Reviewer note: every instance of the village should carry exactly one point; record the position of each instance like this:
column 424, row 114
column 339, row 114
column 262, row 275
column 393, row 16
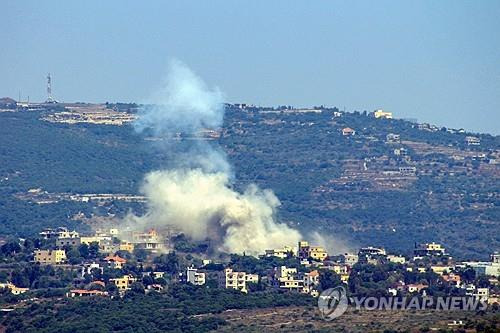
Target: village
column 112, row 262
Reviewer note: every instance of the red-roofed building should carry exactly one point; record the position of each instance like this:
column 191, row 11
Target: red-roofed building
column 348, row 131
column 115, row 262
column 452, row 279
column 99, row 283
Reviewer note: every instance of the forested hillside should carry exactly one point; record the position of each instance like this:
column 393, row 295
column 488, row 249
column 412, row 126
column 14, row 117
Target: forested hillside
column 426, row 185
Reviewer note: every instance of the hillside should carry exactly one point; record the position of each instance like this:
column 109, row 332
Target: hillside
column 368, row 189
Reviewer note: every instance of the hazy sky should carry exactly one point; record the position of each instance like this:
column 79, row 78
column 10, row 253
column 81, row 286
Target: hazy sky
column 437, row 61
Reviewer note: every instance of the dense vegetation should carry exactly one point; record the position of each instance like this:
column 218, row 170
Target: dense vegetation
column 175, row 311
column 296, row 155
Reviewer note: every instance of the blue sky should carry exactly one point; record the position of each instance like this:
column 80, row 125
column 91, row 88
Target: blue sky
column 437, row 61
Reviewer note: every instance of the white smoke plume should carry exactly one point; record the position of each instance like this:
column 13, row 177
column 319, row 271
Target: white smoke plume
column 196, row 195
column 184, row 103
column 333, row 245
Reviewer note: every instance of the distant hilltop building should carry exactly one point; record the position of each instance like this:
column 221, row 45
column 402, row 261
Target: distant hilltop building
column 382, row 114
column 393, row 138
column 348, row 131
column 472, row 141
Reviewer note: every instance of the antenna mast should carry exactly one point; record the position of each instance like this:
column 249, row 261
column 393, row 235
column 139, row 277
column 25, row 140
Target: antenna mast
column 49, row 89
column 50, row 99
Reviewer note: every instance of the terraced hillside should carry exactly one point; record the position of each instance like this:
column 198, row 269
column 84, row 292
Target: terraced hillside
column 366, row 188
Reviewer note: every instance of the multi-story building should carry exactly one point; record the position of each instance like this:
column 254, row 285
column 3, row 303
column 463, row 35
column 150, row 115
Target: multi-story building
column 52, row 257
column 350, row 259
column 76, row 240
column 484, row 268
column 195, row 277
column 113, row 232
column 108, row 247
column 310, row 282
column 400, row 152
column 71, row 241
column 93, row 239
column 481, row 293
column 339, row 268
column 123, row 283
column 126, row 246
column 472, row 141
column 287, row 278
column 236, row 280
column 495, row 258
column 306, row 251
column 60, row 232
column 149, row 240
column 371, row 255
column 429, row 249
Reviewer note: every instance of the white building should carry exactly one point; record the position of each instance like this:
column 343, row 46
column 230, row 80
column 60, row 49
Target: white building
column 195, row 277
column 282, row 253
column 87, row 268
column 229, row 279
column 393, row 138
column 472, row 141
column 350, row 259
column 287, row 278
column 382, row 114
column 311, row 281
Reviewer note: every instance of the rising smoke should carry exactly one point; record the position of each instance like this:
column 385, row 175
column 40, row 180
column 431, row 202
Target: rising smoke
column 195, row 193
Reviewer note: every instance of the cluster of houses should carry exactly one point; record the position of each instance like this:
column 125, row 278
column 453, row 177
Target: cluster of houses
column 282, row 277
column 306, row 279
column 106, row 241
column 315, row 258
column 289, row 278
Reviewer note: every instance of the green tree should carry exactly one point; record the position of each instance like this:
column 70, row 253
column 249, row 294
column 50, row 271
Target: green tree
column 19, row 279
column 329, row 279
column 73, row 256
column 93, row 250
column 137, row 288
column 147, row 280
column 84, row 250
